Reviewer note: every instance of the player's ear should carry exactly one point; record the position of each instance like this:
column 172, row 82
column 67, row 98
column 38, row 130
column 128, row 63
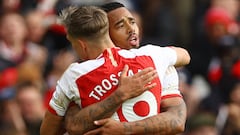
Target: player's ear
column 82, row 44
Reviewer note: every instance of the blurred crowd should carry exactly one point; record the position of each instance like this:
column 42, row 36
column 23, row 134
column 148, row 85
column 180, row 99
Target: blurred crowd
column 34, row 53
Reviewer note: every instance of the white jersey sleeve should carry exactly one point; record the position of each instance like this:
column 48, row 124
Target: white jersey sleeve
column 166, row 53
column 163, row 57
column 170, row 84
column 63, row 94
column 59, row 101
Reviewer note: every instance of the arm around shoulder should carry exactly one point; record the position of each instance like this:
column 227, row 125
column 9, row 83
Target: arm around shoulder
column 51, row 124
column 183, row 56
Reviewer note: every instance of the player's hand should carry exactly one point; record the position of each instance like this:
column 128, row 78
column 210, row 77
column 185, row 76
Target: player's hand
column 132, row 86
column 107, row 127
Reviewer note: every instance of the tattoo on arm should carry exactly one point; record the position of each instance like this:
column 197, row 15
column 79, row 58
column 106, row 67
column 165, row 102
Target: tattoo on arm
column 83, row 120
column 176, row 118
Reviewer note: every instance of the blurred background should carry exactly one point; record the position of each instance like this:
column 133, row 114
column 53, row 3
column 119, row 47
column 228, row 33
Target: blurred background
column 34, row 53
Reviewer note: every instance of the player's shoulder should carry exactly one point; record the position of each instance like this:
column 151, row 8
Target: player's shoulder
column 151, row 46
column 80, row 68
column 148, row 49
column 132, row 53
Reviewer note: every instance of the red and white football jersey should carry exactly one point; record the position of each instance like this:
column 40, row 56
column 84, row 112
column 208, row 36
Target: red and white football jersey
column 92, row 81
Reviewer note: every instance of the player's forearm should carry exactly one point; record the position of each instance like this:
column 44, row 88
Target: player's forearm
column 166, row 123
column 128, row 87
column 183, row 57
column 51, row 124
column 80, row 122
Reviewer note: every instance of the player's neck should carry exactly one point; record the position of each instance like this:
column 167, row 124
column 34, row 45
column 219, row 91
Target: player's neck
column 99, row 46
column 105, row 43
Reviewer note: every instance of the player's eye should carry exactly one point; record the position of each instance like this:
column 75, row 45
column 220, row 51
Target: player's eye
column 121, row 25
column 132, row 21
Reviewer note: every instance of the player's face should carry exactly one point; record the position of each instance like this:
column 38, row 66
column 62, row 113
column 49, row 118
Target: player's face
column 123, row 29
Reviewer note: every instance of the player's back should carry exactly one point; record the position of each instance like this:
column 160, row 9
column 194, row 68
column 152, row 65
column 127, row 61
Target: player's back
column 92, row 81
column 102, row 81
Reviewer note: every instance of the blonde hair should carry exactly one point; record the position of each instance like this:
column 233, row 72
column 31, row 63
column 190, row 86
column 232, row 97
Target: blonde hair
column 87, row 22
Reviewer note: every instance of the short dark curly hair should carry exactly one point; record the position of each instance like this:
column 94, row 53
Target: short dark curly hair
column 111, row 6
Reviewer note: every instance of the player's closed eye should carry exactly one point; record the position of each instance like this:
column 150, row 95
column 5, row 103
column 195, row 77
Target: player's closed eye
column 132, row 21
column 121, row 25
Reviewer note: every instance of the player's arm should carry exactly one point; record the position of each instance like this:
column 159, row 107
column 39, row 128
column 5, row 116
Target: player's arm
column 54, row 116
column 170, row 121
column 51, row 124
column 80, row 121
column 172, row 118
column 173, row 108
column 165, row 123
column 172, row 102
column 176, row 110
column 168, row 56
column 53, row 119
column 183, row 57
